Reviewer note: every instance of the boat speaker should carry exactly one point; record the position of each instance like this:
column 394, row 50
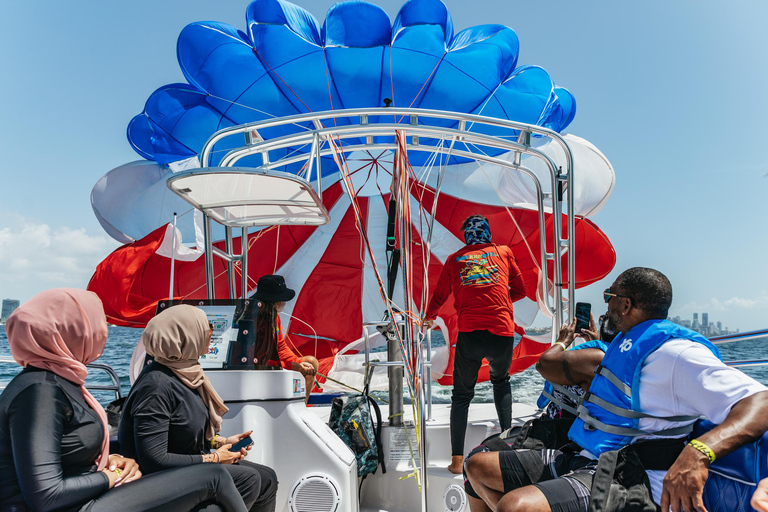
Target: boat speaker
column 454, row 499
column 315, row 493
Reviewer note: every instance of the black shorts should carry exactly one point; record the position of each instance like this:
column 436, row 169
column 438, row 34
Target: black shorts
column 565, row 479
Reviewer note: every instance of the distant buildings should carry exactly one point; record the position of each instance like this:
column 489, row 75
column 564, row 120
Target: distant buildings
column 705, row 328
column 9, row 306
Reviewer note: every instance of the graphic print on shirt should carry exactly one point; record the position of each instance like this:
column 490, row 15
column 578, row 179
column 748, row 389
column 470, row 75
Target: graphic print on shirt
column 477, row 270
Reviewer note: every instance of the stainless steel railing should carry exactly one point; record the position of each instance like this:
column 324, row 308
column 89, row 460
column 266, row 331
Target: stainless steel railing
column 115, row 387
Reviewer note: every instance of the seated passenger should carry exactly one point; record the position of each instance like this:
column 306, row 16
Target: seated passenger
column 569, row 370
column 172, row 414
column 53, row 433
column 655, row 380
column 272, row 292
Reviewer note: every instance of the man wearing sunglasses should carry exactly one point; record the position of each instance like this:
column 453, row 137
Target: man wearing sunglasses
column 655, row 381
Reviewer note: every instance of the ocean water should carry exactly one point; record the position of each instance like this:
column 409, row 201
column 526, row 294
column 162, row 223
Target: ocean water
column 526, row 386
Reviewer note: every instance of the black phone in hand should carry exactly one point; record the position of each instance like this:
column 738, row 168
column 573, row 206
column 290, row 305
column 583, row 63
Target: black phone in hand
column 583, row 310
column 243, row 443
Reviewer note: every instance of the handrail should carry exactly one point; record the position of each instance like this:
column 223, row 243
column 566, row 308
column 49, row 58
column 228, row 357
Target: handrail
column 312, row 131
column 115, row 387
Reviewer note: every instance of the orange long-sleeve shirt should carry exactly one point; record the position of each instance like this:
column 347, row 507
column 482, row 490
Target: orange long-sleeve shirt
column 484, row 280
column 284, row 350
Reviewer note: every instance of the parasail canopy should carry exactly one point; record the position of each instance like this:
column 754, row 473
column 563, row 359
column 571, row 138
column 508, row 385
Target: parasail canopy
column 285, row 63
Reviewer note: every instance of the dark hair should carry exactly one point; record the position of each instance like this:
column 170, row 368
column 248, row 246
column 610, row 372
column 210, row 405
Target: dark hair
column 266, row 321
column 649, row 290
column 471, row 217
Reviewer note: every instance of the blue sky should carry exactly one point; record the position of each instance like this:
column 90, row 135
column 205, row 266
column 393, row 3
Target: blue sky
column 671, row 92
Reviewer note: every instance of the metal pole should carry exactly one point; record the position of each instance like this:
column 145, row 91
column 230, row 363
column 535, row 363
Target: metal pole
column 413, row 343
column 244, row 263
column 231, row 279
column 428, row 377
column 173, row 259
column 209, row 286
column 395, row 374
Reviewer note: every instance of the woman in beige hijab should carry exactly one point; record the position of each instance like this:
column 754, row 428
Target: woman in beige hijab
column 172, row 415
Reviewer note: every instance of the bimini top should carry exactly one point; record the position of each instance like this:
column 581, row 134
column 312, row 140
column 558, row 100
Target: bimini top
column 243, row 197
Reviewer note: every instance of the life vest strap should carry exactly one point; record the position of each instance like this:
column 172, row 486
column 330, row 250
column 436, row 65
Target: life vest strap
column 630, row 432
column 567, row 392
column 613, row 379
column 628, row 413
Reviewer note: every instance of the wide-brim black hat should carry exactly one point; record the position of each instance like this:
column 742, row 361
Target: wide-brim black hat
column 272, row 288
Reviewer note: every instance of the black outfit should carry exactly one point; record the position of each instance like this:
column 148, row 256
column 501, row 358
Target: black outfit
column 471, row 348
column 163, row 426
column 49, row 440
column 565, row 478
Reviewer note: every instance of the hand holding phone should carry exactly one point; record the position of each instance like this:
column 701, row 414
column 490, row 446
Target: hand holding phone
column 243, row 443
column 583, row 312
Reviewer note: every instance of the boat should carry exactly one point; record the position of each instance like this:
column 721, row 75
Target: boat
column 310, row 174
column 329, row 196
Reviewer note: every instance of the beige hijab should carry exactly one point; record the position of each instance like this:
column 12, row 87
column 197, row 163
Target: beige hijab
column 176, row 338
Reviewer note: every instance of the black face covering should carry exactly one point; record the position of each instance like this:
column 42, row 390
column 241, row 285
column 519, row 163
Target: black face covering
column 606, row 332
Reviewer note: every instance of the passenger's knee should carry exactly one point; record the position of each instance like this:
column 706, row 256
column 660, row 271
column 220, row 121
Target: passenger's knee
column 500, row 379
column 513, row 502
column 218, row 473
column 461, row 397
column 525, row 498
column 477, row 464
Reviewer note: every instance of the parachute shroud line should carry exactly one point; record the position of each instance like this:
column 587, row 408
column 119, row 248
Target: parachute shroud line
column 234, row 198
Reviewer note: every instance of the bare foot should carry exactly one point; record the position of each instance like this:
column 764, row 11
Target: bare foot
column 457, row 463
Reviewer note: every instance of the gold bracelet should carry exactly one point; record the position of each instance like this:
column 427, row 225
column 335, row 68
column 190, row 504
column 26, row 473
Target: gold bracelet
column 703, row 448
column 561, row 344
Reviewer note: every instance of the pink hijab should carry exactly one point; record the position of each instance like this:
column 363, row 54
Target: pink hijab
column 176, row 338
column 62, row 330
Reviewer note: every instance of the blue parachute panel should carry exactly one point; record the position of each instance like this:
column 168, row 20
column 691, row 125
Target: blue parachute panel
column 286, row 63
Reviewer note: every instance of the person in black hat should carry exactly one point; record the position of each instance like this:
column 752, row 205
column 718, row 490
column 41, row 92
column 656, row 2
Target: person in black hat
column 272, row 293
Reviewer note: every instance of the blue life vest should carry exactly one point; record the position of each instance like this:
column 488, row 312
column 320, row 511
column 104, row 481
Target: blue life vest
column 547, row 395
column 609, row 417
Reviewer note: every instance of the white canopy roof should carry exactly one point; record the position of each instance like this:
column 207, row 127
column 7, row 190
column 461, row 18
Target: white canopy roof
column 242, row 197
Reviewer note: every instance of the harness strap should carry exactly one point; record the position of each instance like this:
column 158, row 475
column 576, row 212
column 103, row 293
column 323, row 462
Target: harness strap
column 602, row 480
column 560, row 403
column 627, row 413
column 532, row 464
column 613, row 379
column 630, row 432
column 497, row 444
column 377, row 433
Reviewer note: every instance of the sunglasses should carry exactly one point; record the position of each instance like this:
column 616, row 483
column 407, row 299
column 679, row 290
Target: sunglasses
column 607, row 295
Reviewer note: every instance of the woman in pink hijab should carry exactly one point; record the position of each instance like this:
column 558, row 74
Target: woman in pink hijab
column 53, row 434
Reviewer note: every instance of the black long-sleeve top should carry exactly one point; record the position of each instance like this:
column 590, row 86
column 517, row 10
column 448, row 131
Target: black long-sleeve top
column 163, row 423
column 49, row 441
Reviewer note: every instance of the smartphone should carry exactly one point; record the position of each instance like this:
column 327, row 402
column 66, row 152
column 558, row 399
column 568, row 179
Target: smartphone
column 583, row 310
column 243, row 443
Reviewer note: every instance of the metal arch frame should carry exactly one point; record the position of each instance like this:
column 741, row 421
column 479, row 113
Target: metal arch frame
column 409, row 134
column 256, row 143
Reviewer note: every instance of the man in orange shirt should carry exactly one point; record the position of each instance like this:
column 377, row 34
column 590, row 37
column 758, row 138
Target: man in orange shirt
column 484, row 280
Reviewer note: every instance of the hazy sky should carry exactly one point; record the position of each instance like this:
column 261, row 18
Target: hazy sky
column 673, row 93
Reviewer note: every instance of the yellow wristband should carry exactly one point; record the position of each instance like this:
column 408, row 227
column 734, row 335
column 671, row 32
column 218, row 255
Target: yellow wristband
column 561, row 344
column 214, row 440
column 703, row 448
